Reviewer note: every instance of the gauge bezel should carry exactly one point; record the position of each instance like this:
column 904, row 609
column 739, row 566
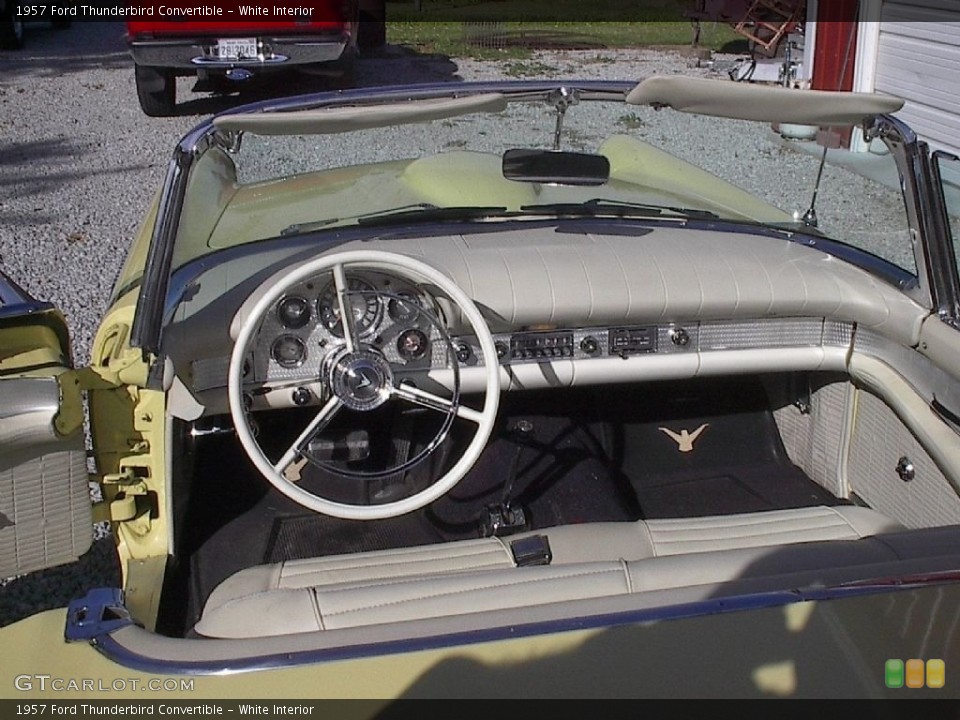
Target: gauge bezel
column 305, row 317
column 286, row 363
column 407, row 356
column 407, row 299
column 355, row 286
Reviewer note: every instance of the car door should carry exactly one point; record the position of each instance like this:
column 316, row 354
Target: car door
column 45, row 509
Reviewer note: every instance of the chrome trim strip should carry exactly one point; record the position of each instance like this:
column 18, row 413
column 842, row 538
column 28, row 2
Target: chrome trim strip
column 28, row 411
column 942, row 243
column 217, row 62
column 910, row 157
column 112, row 645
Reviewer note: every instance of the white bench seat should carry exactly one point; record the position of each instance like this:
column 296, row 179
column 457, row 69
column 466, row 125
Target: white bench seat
column 588, row 561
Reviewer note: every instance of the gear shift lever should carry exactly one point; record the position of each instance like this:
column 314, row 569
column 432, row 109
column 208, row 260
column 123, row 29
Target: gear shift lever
column 504, row 518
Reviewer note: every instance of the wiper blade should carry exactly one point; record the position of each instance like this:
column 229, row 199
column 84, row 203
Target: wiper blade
column 465, row 212
column 617, row 208
column 298, row 228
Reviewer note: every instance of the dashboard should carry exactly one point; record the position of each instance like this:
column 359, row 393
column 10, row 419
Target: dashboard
column 415, row 332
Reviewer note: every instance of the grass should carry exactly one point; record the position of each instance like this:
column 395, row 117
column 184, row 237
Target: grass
column 511, row 29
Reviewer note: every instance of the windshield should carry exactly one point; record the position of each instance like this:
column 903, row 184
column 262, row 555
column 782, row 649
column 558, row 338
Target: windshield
column 692, row 166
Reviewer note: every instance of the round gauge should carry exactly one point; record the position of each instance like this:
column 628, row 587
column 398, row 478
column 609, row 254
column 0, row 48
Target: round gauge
column 404, row 308
column 294, row 312
column 412, row 344
column 363, row 301
column 289, row 351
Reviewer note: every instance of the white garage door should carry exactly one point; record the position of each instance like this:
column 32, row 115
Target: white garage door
column 918, row 58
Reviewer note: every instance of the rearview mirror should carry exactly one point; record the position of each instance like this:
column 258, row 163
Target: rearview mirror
column 555, row 167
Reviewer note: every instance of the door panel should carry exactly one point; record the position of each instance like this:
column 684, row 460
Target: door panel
column 45, row 512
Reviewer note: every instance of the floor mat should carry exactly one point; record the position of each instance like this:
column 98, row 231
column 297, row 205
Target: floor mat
column 683, row 462
column 545, row 461
column 307, row 536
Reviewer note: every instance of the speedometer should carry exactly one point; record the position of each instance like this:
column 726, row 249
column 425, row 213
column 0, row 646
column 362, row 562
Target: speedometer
column 363, row 301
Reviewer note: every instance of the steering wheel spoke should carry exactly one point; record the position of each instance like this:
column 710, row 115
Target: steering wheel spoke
column 350, row 337
column 319, row 422
column 426, row 399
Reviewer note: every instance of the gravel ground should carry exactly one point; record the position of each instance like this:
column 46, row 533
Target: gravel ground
column 79, row 164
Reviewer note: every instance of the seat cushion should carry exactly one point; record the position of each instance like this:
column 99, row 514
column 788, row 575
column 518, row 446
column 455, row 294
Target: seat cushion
column 659, row 538
column 589, row 560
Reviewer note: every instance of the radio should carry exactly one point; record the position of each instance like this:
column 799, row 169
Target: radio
column 541, row 345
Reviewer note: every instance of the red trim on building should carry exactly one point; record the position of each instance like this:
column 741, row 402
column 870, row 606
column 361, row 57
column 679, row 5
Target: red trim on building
column 835, row 54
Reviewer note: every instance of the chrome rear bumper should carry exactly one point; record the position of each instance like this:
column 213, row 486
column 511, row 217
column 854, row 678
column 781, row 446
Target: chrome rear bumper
column 193, row 53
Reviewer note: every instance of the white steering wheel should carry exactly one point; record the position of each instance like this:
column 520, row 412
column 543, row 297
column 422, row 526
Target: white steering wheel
column 359, row 376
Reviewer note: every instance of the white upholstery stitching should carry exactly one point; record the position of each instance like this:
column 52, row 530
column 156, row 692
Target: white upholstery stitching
column 471, row 589
column 846, row 520
column 411, row 559
column 492, row 562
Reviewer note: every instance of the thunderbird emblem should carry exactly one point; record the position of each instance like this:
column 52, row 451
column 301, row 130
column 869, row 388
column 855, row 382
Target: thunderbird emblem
column 685, row 439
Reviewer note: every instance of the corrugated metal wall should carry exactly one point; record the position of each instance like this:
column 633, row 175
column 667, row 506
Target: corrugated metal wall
column 918, row 58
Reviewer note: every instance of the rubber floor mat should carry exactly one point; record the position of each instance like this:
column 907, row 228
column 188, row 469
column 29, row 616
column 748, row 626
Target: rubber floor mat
column 315, row 535
column 712, row 448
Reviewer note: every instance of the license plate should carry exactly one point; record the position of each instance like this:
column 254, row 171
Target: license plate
column 236, row 48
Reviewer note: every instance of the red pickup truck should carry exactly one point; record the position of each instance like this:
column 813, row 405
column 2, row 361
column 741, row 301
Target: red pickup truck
column 324, row 35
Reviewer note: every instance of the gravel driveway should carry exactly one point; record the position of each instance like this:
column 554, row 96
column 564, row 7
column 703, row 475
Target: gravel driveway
column 79, row 163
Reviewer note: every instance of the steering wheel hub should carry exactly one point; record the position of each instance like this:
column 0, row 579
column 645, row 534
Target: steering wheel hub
column 362, row 379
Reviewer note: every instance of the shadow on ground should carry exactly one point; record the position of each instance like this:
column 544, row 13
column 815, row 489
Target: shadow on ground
column 37, row 169
column 50, row 52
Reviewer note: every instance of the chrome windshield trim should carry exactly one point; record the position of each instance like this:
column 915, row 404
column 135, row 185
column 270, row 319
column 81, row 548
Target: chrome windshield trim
column 944, row 259
column 148, row 318
column 910, row 156
column 149, row 315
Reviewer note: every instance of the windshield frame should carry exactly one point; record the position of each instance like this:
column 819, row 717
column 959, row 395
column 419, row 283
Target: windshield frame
column 149, row 318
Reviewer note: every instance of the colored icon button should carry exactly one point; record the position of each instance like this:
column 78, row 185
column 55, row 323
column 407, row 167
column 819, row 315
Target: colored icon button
column 936, row 673
column 893, row 673
column 914, row 673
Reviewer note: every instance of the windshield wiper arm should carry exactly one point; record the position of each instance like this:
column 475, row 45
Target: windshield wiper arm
column 432, row 212
column 298, row 228
column 617, row 208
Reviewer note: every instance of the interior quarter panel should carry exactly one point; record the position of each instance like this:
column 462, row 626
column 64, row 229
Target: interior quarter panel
column 45, row 513
column 813, row 414
column 894, row 419
column 878, row 442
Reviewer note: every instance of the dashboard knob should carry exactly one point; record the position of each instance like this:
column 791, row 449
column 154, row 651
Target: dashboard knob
column 501, row 349
column 679, row 337
column 301, row 396
column 464, row 353
column 589, row 345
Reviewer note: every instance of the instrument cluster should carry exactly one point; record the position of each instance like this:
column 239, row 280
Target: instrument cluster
column 390, row 315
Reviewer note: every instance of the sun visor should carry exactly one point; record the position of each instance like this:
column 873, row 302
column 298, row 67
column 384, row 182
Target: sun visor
column 358, row 117
column 768, row 103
